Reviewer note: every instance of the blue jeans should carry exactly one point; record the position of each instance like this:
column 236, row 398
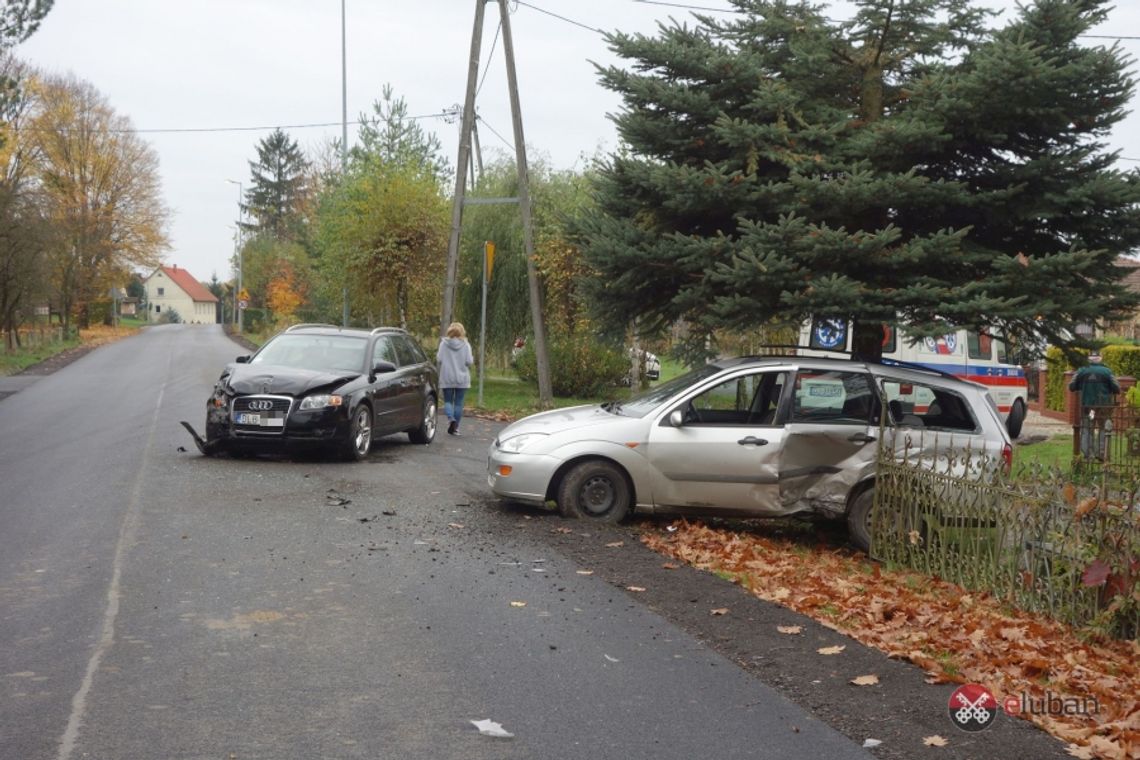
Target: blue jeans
column 453, row 403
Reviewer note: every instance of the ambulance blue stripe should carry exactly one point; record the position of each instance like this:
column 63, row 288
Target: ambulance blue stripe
column 974, row 369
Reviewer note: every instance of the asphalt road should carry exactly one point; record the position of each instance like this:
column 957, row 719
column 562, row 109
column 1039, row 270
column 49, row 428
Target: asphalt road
column 158, row 604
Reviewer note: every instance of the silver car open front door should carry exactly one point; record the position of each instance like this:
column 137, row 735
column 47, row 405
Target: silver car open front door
column 719, row 450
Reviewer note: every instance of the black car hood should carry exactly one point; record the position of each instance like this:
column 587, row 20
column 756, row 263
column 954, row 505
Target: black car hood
column 245, row 379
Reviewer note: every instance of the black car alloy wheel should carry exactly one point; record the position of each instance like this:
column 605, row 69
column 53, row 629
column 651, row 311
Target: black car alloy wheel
column 360, row 433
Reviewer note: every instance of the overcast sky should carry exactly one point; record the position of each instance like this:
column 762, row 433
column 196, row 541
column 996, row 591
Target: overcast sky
column 227, row 72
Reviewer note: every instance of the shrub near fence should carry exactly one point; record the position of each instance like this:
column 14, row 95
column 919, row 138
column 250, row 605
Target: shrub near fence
column 1036, row 539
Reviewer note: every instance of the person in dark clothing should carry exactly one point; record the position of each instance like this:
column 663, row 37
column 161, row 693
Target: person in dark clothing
column 1098, row 389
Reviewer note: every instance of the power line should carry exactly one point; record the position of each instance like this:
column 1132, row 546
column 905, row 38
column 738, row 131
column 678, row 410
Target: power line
column 196, row 130
column 561, row 18
column 487, row 68
column 494, row 132
column 687, row 7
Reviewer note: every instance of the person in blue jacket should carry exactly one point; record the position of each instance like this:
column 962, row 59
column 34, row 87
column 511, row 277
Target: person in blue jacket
column 1098, row 389
column 454, row 359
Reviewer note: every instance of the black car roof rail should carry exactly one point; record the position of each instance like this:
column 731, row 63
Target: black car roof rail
column 291, row 328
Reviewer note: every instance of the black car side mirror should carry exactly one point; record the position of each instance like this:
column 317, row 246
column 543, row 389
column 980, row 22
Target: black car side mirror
column 382, row 367
column 242, row 360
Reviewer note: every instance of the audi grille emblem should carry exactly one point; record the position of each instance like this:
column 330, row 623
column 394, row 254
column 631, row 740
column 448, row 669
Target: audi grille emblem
column 260, row 406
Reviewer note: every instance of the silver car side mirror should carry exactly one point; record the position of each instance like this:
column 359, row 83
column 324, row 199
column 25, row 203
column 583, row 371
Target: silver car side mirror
column 677, row 418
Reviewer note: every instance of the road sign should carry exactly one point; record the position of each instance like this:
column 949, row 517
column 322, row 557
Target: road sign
column 242, row 304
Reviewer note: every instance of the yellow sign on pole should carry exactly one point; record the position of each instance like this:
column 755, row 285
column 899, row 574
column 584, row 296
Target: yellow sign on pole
column 243, row 295
column 489, row 252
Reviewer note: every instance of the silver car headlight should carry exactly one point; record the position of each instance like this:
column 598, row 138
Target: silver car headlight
column 321, row 401
column 517, row 443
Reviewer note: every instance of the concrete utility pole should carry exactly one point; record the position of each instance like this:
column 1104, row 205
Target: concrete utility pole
column 477, row 174
column 461, row 171
column 466, row 132
column 545, row 392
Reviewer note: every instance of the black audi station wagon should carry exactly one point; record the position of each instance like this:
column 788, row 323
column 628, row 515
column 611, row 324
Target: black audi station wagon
column 327, row 388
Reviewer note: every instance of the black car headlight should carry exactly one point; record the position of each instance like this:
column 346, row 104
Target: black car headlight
column 320, row 401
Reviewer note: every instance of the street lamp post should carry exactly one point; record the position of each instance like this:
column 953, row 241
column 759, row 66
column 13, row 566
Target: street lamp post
column 240, row 269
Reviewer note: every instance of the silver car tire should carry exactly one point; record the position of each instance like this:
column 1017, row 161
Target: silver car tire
column 859, row 519
column 1016, row 419
column 596, row 490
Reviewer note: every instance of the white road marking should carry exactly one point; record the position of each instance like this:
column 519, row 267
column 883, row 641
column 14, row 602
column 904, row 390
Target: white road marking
column 111, row 613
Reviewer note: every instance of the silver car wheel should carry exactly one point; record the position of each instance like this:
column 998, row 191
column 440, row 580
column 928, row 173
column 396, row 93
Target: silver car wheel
column 597, row 495
column 596, row 489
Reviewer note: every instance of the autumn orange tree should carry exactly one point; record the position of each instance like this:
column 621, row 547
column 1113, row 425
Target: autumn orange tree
column 286, row 293
column 101, row 185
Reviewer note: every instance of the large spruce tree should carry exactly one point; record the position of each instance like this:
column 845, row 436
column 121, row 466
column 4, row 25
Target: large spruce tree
column 908, row 165
column 277, row 195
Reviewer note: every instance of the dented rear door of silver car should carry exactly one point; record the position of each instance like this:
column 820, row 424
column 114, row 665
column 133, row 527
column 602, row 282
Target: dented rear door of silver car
column 829, row 440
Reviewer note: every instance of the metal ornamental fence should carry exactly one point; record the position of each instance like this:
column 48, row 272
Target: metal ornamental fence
column 1049, row 543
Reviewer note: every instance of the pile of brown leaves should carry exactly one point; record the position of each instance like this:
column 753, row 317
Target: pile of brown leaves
column 954, row 635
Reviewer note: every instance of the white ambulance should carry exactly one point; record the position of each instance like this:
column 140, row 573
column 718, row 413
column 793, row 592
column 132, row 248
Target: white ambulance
column 963, row 353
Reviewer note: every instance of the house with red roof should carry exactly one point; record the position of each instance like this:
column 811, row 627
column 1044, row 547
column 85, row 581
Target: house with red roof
column 172, row 289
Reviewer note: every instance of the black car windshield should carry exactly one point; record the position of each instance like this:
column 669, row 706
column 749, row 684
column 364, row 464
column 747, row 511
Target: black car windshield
column 644, row 403
column 322, row 353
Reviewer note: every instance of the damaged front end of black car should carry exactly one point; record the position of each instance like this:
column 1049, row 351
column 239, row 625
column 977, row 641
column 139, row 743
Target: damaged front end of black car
column 279, row 408
column 325, row 388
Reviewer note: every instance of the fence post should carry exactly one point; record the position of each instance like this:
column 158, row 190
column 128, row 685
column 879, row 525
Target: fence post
column 1073, row 411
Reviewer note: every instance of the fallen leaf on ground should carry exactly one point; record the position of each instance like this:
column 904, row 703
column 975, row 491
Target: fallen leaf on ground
column 615, row 544
column 871, row 743
column 1084, row 753
column 952, row 634
column 518, row 604
column 719, row 611
column 563, row 530
column 832, row 650
column 935, row 741
column 634, row 588
column 455, row 525
column 669, row 566
column 789, row 629
column 867, row 680
column 585, row 572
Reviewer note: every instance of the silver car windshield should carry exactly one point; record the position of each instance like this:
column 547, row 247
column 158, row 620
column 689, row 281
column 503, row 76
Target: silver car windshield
column 644, row 403
column 322, row 353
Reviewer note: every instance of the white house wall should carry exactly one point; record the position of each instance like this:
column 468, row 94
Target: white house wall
column 174, row 297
